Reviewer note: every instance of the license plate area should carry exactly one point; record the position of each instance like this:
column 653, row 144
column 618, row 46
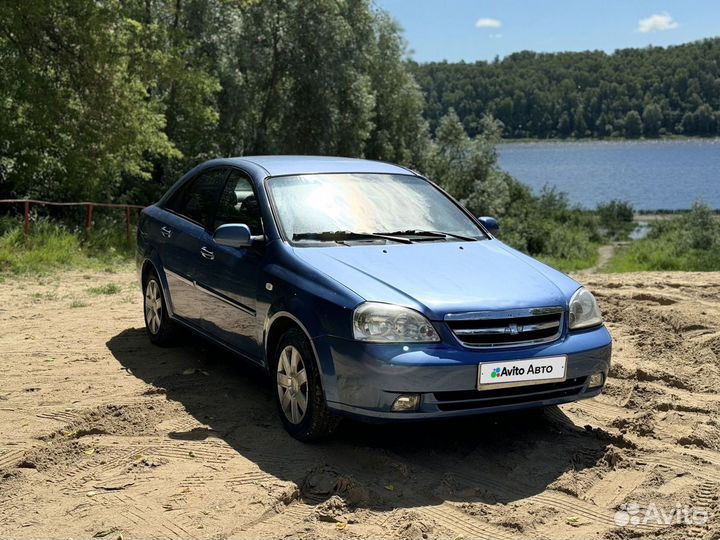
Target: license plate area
column 525, row 372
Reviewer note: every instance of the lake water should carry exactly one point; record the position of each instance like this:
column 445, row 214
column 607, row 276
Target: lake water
column 652, row 175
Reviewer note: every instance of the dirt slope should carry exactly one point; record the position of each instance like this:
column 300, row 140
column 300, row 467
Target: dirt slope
column 103, row 434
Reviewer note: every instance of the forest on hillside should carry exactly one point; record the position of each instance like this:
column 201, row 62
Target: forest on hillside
column 649, row 92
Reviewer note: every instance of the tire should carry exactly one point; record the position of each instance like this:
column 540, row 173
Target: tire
column 160, row 328
column 293, row 358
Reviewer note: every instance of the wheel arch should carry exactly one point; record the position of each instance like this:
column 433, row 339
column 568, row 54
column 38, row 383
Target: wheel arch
column 146, row 268
column 276, row 326
column 150, row 263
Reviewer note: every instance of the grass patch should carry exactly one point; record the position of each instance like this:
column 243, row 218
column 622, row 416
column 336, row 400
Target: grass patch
column 660, row 254
column 689, row 243
column 52, row 246
column 108, row 288
column 572, row 264
column 78, row 304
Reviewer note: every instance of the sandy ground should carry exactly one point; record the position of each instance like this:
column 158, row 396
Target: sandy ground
column 102, row 434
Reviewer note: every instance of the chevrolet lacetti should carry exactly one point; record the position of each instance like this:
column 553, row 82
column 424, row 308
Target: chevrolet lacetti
column 364, row 290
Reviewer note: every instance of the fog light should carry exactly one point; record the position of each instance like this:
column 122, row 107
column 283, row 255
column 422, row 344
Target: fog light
column 596, row 379
column 406, row 402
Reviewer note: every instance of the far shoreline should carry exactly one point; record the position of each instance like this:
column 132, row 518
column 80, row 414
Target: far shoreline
column 588, row 140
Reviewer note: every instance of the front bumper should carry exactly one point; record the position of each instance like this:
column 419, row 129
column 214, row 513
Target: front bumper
column 365, row 379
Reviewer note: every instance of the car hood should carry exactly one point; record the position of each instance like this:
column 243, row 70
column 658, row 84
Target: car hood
column 438, row 278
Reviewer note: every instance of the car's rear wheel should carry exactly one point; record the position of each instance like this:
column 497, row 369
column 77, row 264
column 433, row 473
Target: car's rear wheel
column 160, row 328
column 297, row 389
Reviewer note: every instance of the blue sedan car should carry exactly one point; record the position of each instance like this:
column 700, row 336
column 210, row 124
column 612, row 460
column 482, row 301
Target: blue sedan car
column 364, row 290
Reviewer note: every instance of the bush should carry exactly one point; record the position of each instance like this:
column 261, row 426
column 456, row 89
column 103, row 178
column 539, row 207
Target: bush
column 700, row 228
column 616, row 219
column 687, row 243
column 549, row 228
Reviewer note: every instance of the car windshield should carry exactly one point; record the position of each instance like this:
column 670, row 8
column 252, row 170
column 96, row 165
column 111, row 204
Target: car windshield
column 360, row 208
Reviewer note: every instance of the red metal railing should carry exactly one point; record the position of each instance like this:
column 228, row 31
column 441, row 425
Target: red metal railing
column 89, row 206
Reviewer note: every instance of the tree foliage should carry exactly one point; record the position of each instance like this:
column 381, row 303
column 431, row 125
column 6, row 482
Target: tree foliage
column 114, row 99
column 582, row 94
column 77, row 96
column 467, row 168
column 545, row 225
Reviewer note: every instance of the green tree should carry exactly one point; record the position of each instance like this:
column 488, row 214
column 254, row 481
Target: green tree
column 633, row 125
column 688, row 124
column 467, row 168
column 182, row 54
column 563, row 125
column 400, row 133
column 79, row 107
column 705, row 119
column 448, row 165
column 603, row 126
column 322, row 78
column 328, row 110
column 652, row 120
column 579, row 124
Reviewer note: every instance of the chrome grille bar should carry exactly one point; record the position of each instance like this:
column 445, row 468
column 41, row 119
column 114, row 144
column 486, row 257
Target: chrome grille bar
column 509, row 328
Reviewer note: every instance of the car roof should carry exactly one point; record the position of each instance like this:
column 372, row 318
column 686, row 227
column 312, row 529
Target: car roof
column 290, row 165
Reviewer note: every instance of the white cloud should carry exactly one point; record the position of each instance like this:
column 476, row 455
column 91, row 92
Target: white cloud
column 657, row 23
column 488, row 23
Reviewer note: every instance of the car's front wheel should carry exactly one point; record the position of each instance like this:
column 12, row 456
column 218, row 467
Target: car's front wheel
column 160, row 328
column 297, row 389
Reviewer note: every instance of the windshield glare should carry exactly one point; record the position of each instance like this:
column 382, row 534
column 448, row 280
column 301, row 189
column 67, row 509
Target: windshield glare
column 309, row 205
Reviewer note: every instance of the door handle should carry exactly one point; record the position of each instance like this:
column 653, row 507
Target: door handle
column 166, row 232
column 205, row 252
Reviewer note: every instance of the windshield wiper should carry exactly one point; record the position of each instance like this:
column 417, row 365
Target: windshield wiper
column 342, row 236
column 432, row 234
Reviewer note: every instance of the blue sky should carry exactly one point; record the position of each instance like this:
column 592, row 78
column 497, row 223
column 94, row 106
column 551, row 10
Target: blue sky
column 472, row 30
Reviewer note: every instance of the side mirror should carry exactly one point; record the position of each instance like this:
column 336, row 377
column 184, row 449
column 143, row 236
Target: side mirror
column 491, row 224
column 233, row 235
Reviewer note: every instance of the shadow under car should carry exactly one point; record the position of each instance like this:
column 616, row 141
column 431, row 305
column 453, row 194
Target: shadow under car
column 498, row 458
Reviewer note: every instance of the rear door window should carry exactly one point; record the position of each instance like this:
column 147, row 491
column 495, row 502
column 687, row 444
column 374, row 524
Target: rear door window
column 198, row 200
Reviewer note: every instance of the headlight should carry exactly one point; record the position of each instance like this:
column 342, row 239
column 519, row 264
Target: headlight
column 584, row 311
column 386, row 323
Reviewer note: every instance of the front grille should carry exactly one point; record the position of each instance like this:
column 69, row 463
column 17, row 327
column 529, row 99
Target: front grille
column 478, row 399
column 504, row 329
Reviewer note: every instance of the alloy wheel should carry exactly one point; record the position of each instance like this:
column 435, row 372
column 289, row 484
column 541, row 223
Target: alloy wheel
column 292, row 384
column 153, row 306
